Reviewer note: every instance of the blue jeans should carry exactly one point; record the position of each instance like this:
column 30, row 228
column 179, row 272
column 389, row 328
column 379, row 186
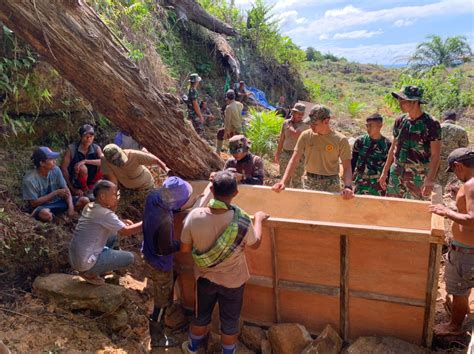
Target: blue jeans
column 57, row 207
column 111, row 259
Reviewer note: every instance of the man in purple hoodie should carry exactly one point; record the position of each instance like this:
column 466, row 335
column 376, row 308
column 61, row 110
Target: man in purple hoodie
column 158, row 248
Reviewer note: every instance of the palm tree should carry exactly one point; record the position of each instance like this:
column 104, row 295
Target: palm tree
column 451, row 52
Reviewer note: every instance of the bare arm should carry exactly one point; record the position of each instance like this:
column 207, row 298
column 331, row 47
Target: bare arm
column 109, row 176
column 465, row 219
column 435, row 157
column 197, row 109
column 388, row 163
column 64, row 168
column 185, row 247
column 45, row 198
column 96, row 162
column 259, row 218
column 129, row 230
column 281, row 141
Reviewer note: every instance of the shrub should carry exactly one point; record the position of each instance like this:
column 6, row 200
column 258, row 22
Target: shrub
column 264, row 130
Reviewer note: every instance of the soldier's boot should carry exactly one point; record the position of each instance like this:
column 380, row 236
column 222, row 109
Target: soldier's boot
column 158, row 335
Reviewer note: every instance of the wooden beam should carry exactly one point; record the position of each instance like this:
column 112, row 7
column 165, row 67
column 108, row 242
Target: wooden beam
column 309, row 288
column 387, row 298
column 431, row 292
column 276, row 291
column 344, row 290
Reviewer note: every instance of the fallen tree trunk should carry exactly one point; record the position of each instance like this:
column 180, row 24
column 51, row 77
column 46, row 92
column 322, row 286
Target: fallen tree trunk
column 191, row 10
column 73, row 39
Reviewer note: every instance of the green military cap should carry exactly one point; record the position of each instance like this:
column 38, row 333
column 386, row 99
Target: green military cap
column 410, row 93
column 194, row 78
column 318, row 112
column 299, row 107
column 115, row 155
column 238, row 143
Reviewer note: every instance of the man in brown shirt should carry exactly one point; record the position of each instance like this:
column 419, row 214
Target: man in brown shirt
column 459, row 261
column 290, row 132
column 232, row 120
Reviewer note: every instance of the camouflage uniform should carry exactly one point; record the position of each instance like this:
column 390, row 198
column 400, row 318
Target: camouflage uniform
column 322, row 183
column 296, row 180
column 251, row 167
column 368, row 168
column 198, row 126
column 452, row 136
column 412, row 155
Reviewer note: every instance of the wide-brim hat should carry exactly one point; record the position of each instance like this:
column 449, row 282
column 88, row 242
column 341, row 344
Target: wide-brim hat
column 410, row 93
column 194, row 78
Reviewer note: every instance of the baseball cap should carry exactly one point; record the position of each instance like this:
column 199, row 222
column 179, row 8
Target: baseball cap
column 410, row 93
column 459, row 155
column 318, row 112
column 175, row 192
column 374, row 118
column 230, row 94
column 194, row 78
column 86, row 129
column 43, row 153
column 115, row 155
column 299, row 107
column 238, row 143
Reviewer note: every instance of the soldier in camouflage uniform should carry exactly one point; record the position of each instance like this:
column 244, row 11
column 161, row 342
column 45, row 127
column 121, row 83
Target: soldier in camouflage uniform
column 194, row 112
column 369, row 154
column 290, row 132
column 248, row 168
column 453, row 136
column 415, row 150
column 322, row 148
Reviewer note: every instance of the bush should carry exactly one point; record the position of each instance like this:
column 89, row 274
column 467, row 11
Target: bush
column 264, row 130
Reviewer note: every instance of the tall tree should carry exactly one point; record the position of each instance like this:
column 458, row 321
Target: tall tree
column 451, row 52
column 72, row 38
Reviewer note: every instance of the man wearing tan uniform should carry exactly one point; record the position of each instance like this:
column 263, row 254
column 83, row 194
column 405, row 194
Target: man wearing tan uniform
column 290, row 132
column 232, row 120
column 322, row 148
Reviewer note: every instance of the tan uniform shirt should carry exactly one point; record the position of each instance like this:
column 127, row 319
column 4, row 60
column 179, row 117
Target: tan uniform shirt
column 323, row 152
column 233, row 117
column 132, row 175
column 290, row 139
column 201, row 229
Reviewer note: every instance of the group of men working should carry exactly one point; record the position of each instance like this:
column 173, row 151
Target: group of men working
column 217, row 234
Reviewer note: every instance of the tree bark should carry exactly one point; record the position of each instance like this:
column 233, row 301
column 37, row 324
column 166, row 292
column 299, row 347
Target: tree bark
column 191, row 10
column 73, row 39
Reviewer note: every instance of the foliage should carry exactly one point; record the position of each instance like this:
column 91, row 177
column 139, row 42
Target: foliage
column 451, row 52
column 354, row 108
column 443, row 88
column 313, row 54
column 264, row 129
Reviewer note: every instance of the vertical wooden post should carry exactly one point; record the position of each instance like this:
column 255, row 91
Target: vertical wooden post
column 344, row 289
column 431, row 291
column 276, row 278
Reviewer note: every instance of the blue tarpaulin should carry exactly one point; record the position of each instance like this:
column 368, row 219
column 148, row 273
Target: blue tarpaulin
column 259, row 96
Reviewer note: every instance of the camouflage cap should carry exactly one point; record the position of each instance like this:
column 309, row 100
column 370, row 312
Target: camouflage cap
column 238, row 143
column 318, row 112
column 115, row 155
column 410, row 93
column 194, row 78
column 459, row 155
column 299, row 107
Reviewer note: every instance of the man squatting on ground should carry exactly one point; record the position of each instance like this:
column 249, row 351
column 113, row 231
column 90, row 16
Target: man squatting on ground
column 45, row 189
column 459, row 261
column 369, row 154
column 413, row 158
column 290, row 132
column 158, row 248
column 247, row 167
column 322, row 148
column 92, row 250
column 217, row 235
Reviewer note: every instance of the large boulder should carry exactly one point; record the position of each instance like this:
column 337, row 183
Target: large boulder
column 288, row 338
column 328, row 342
column 73, row 293
column 252, row 337
column 383, row 345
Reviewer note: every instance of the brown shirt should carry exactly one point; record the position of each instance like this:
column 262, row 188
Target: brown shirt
column 201, row 230
column 322, row 153
column 133, row 174
column 290, row 139
column 233, row 117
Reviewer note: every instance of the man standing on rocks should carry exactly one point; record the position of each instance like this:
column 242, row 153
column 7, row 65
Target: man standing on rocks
column 194, row 112
column 232, row 120
column 158, row 248
column 322, row 148
column 413, row 158
column 459, row 261
column 290, row 132
column 453, row 136
column 92, row 250
column 368, row 157
column 45, row 189
column 247, row 168
column 217, row 235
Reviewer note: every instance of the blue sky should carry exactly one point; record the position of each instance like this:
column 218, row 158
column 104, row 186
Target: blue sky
column 380, row 32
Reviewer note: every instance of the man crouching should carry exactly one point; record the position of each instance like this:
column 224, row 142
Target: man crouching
column 217, row 235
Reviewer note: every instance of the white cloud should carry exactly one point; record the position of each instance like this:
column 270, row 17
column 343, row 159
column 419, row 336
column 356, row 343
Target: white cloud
column 357, row 34
column 290, row 18
column 403, row 23
column 350, row 16
column 323, row 36
column 282, row 5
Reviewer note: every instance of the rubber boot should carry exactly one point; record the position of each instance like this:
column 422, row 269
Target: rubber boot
column 219, row 146
column 159, row 337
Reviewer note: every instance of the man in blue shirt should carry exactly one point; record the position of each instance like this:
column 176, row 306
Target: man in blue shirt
column 45, row 188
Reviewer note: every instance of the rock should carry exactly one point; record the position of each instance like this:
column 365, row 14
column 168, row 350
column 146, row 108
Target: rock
column 328, row 342
column 266, row 347
column 252, row 337
column 288, row 338
column 116, row 320
column 383, row 345
column 73, row 293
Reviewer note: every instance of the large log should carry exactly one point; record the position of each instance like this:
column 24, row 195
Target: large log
column 73, row 39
